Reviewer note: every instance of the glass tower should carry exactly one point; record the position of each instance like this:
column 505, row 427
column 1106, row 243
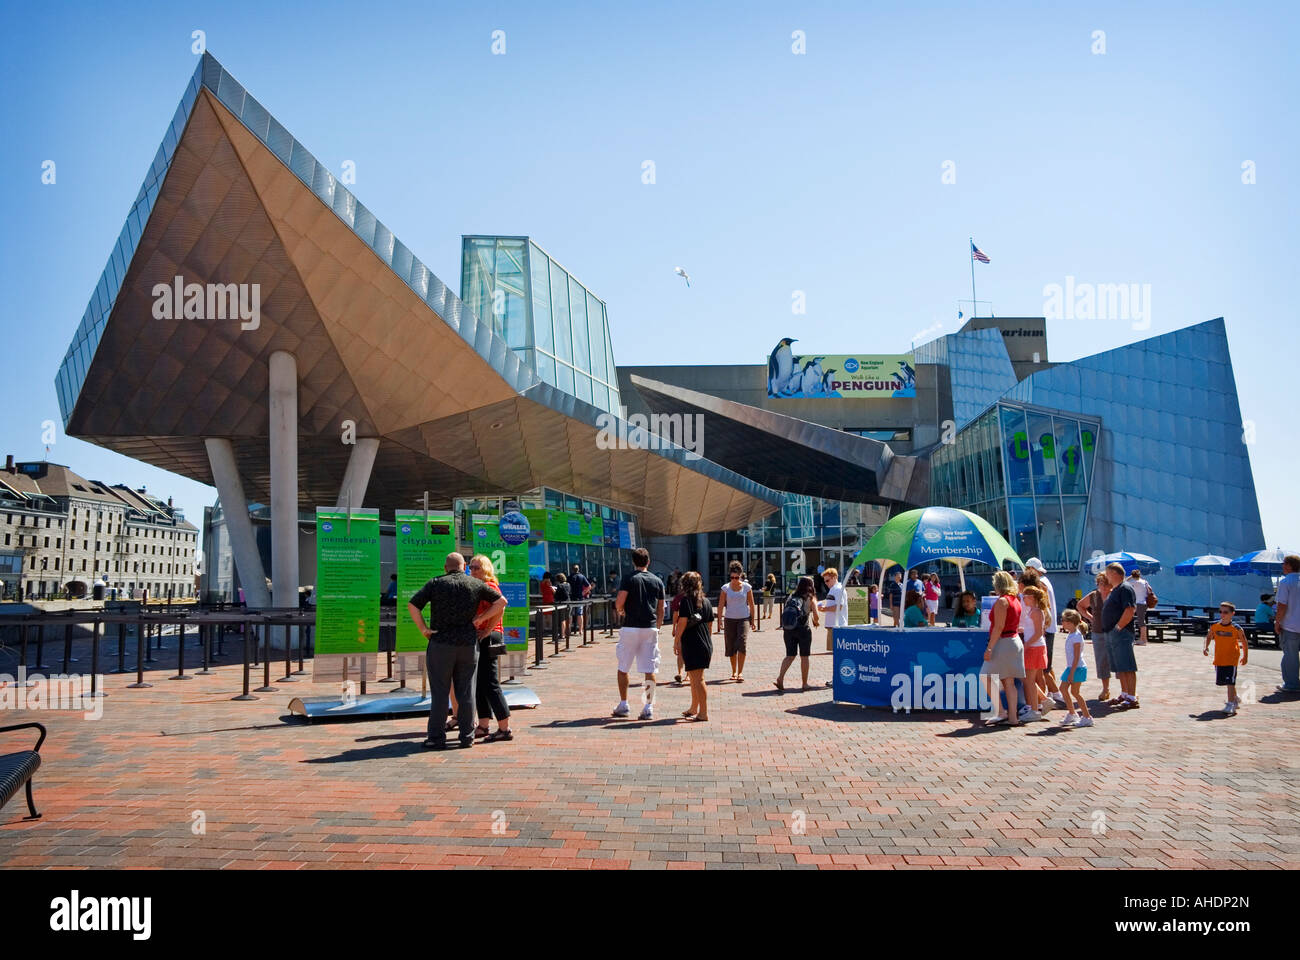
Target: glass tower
column 554, row 323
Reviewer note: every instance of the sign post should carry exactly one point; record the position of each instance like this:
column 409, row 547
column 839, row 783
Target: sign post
column 347, row 584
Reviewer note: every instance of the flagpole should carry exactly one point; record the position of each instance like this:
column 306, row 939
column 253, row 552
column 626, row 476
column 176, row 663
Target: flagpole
column 974, row 304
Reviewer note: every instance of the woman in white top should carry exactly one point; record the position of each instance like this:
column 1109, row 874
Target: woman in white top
column 739, row 613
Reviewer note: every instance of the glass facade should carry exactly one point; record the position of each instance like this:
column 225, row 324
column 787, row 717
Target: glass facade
column 555, row 324
column 1027, row 471
column 806, row 533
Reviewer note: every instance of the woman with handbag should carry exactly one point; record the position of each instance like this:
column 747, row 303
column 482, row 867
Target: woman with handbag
column 491, row 699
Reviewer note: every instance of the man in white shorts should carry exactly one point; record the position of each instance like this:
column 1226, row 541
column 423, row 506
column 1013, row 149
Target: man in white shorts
column 640, row 602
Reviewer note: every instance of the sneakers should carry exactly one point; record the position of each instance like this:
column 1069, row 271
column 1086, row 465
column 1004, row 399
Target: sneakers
column 1230, row 707
column 621, row 710
column 1070, row 719
column 1059, row 700
column 1028, row 715
column 647, row 712
column 1084, row 722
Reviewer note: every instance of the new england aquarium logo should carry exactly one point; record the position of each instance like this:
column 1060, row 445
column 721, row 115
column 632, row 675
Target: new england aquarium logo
column 851, row 365
column 932, row 535
column 406, row 528
column 848, row 670
column 514, row 528
column 327, row 526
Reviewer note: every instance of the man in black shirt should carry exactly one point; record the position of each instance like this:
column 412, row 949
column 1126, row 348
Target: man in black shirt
column 1117, row 620
column 640, row 602
column 452, row 631
column 581, row 589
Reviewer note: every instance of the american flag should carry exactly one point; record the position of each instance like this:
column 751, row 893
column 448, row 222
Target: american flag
column 977, row 254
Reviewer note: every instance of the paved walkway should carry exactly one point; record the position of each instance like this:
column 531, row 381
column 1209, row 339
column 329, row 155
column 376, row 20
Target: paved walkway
column 773, row 780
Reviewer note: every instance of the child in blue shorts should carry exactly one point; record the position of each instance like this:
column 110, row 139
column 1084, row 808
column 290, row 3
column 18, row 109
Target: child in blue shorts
column 1075, row 671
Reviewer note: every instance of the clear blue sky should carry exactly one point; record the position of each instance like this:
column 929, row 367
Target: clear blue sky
column 775, row 172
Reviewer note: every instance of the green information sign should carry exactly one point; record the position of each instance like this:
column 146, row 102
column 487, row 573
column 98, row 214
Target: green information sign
column 347, row 581
column 859, row 603
column 422, row 550
column 562, row 526
column 511, row 564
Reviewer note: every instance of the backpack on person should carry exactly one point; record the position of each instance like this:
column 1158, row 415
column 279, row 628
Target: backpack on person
column 793, row 614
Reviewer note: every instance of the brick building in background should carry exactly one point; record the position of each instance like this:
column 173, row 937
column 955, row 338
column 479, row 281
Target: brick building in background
column 61, row 533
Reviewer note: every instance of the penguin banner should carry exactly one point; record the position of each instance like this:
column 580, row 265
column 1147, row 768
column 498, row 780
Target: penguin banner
column 869, row 376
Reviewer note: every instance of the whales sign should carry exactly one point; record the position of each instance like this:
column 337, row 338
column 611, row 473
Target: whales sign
column 869, row 376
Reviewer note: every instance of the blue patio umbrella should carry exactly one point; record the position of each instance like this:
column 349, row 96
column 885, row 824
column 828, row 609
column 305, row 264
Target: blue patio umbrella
column 1129, row 561
column 1266, row 562
column 1210, row 565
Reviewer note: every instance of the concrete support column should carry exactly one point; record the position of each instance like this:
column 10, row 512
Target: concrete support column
column 702, row 559
column 357, row 476
column 243, row 545
column 283, row 439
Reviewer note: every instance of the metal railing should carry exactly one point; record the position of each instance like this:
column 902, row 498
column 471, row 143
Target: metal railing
column 214, row 625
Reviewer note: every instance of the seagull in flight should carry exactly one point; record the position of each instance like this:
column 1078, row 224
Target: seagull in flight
column 681, row 272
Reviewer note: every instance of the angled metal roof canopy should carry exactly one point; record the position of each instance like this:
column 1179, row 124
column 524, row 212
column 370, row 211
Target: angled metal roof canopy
column 794, row 455
column 232, row 198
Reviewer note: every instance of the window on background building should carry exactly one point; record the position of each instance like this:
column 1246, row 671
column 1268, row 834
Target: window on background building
column 1074, row 521
column 540, row 269
column 1024, row 527
column 1042, row 453
column 1069, row 457
column 578, row 323
column 560, row 314
column 1089, row 436
column 1051, row 533
column 1015, row 449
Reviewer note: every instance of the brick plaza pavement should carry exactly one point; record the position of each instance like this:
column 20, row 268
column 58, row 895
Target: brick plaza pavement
column 772, row 780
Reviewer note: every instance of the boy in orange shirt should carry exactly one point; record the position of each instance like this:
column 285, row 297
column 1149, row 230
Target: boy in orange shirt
column 1229, row 648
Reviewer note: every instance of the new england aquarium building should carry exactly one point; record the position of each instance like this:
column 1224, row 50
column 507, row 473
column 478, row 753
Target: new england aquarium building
column 259, row 329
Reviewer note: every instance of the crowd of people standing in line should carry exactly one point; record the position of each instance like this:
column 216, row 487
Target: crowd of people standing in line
column 465, row 634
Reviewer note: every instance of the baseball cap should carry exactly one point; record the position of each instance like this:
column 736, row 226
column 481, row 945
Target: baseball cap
column 1035, row 563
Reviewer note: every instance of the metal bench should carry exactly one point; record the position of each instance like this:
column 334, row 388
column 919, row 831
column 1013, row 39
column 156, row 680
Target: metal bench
column 1257, row 634
column 17, row 769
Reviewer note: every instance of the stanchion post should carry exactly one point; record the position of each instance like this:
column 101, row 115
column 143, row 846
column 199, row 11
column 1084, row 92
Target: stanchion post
column 121, row 648
column 538, row 650
column 23, row 679
column 246, row 695
column 180, row 653
column 140, row 651
column 94, row 660
column 40, row 648
column 289, row 631
column 266, row 659
column 205, row 641
column 67, row 647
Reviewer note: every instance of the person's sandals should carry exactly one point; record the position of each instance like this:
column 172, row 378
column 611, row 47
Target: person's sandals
column 688, row 715
column 452, row 725
column 500, row 735
column 677, row 679
column 808, row 686
column 779, row 685
column 739, row 678
column 481, row 732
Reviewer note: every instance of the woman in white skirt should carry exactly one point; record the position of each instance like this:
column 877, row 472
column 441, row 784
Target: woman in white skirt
column 1005, row 654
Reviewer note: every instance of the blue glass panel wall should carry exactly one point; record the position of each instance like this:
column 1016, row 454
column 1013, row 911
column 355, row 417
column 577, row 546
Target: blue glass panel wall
column 1172, row 477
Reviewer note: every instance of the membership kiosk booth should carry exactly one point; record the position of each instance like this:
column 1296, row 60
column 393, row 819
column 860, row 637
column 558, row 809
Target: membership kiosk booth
column 919, row 668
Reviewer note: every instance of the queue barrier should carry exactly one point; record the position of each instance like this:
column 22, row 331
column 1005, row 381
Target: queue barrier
column 253, row 629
